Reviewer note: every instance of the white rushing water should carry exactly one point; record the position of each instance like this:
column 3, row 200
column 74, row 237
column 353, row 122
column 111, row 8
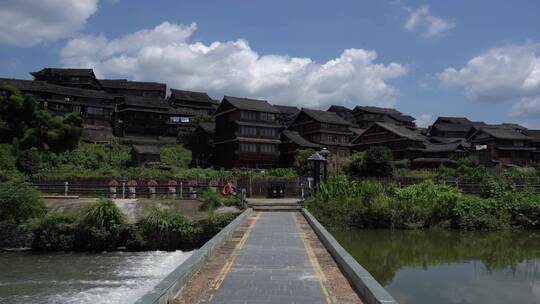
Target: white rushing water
column 119, row 277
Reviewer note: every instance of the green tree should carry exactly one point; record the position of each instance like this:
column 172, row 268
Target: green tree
column 353, row 165
column 377, row 162
column 28, row 162
column 301, row 164
column 23, row 123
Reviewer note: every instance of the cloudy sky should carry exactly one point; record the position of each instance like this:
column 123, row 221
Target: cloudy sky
column 479, row 59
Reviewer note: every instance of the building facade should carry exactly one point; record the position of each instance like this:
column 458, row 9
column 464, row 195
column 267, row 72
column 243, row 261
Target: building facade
column 326, row 129
column 247, row 134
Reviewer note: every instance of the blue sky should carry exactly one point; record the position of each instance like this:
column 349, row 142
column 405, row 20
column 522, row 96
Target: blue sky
column 479, row 59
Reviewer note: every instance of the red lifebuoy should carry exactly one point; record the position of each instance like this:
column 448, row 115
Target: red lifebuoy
column 227, row 189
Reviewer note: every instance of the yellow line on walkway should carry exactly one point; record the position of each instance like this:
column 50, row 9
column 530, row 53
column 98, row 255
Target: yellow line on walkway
column 314, row 262
column 230, row 261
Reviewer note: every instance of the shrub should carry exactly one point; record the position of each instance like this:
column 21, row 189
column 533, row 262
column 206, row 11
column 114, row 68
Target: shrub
column 27, row 162
column 211, row 200
column 55, row 232
column 423, row 205
column 176, row 155
column 7, row 157
column 232, row 201
column 217, row 222
column 476, row 213
column 19, row 201
column 100, row 226
column 162, row 228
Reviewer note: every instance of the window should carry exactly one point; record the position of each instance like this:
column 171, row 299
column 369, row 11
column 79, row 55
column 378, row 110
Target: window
column 266, row 148
column 77, row 109
column 67, row 98
column 518, row 143
column 267, row 116
column 267, row 132
column 75, row 78
column 342, row 153
column 248, row 131
column 248, row 115
column 247, row 147
column 94, row 110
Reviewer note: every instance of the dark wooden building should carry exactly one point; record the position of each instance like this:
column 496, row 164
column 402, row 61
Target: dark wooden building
column 246, row 134
column 191, row 103
column 76, row 78
column 367, row 115
column 95, row 107
column 119, row 87
column 326, row 129
column 291, row 143
column 143, row 154
column 535, row 142
column 502, row 145
column 343, row 112
column 202, row 145
column 409, row 143
column 145, row 116
column 404, row 142
column 451, row 127
column 286, row 114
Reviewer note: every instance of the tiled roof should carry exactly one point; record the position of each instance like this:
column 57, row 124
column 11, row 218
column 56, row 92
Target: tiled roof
column 65, row 72
column 502, row 132
column 146, row 102
column 402, row 131
column 454, row 120
column 41, row 86
column 208, row 127
column 325, row 117
column 191, row 96
column 296, row 138
column 287, row 110
column 250, row 104
column 132, row 85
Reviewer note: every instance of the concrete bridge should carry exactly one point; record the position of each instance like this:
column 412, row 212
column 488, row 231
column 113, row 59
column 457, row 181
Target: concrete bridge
column 274, row 252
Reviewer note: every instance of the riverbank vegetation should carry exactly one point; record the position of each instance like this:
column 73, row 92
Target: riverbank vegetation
column 340, row 202
column 100, row 226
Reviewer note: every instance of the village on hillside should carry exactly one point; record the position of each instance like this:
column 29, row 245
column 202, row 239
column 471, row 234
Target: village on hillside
column 239, row 132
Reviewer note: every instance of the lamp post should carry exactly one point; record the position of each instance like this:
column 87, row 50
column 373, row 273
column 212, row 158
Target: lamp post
column 317, row 164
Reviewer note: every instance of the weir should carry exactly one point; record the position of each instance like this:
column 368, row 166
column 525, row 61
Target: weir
column 274, row 252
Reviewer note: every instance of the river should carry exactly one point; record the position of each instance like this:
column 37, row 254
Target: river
column 450, row 267
column 115, row 277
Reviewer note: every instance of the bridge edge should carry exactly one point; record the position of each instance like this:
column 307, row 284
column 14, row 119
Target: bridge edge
column 169, row 288
column 361, row 280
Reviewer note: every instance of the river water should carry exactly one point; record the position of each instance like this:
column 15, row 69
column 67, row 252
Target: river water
column 115, row 277
column 450, row 266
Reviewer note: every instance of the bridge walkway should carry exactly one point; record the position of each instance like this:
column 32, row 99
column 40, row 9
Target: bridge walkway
column 274, row 257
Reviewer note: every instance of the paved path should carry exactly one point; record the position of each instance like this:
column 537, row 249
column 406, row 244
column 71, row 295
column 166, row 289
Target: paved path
column 273, row 264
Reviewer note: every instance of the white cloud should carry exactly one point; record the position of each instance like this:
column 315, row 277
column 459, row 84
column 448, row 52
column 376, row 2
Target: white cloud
column 165, row 54
column 499, row 74
column 422, row 20
column 527, row 107
column 30, row 22
column 424, row 120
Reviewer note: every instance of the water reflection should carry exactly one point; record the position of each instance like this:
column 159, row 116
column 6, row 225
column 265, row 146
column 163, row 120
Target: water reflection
column 450, row 266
